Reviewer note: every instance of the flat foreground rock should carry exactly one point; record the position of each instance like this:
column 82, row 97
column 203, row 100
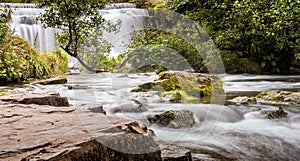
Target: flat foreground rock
column 30, row 131
column 34, row 132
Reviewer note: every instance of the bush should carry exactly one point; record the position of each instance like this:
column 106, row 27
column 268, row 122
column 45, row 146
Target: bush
column 20, row 62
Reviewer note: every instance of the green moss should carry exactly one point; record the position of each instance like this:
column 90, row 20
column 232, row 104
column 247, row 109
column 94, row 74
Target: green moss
column 3, row 92
column 190, row 86
column 174, row 124
column 261, row 94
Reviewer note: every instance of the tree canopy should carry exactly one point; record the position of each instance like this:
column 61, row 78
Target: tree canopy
column 266, row 31
column 82, row 27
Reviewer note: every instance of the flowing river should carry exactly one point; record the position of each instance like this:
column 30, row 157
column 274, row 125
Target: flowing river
column 222, row 132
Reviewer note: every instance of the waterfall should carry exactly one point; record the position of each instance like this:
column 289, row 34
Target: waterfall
column 25, row 24
column 131, row 20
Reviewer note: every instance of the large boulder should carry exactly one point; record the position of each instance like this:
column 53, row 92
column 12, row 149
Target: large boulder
column 190, row 84
column 173, row 119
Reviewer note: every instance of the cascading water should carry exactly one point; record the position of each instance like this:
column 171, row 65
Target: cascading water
column 25, row 23
column 222, row 132
column 131, row 21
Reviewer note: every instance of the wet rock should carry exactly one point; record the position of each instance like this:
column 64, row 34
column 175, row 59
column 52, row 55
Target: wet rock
column 95, row 108
column 243, row 100
column 51, row 81
column 128, row 126
column 175, row 153
column 128, row 107
column 51, row 98
column 143, row 87
column 277, row 114
column 173, row 119
column 193, row 84
column 175, row 97
column 278, row 97
column 76, row 86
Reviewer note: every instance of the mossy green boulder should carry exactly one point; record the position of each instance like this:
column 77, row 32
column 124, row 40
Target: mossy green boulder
column 188, row 84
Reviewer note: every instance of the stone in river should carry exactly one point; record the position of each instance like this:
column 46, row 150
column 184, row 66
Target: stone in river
column 277, row 114
column 173, row 119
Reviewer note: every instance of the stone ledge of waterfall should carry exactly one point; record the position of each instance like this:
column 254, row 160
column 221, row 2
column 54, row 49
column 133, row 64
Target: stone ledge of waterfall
column 51, row 81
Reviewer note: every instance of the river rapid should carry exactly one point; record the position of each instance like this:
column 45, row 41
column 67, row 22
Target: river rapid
column 222, row 131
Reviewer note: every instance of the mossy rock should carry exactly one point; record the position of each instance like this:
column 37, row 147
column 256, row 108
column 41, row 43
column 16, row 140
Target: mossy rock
column 176, row 97
column 193, row 84
column 104, row 68
column 277, row 114
column 173, row 119
column 243, row 100
column 279, row 96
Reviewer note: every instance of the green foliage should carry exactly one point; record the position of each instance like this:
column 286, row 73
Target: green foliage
column 110, row 62
column 105, row 63
column 153, row 50
column 149, row 3
column 57, row 62
column 82, row 27
column 265, row 30
column 19, row 62
column 5, row 16
column 17, row 1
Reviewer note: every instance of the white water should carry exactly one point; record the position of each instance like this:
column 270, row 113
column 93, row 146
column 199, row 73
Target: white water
column 25, row 24
column 222, row 131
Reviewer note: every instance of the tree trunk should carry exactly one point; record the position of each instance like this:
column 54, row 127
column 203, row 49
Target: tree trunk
column 91, row 69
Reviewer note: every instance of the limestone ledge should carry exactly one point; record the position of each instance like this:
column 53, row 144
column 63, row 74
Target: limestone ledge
column 44, row 132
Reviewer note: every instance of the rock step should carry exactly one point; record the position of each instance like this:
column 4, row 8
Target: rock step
column 51, row 98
